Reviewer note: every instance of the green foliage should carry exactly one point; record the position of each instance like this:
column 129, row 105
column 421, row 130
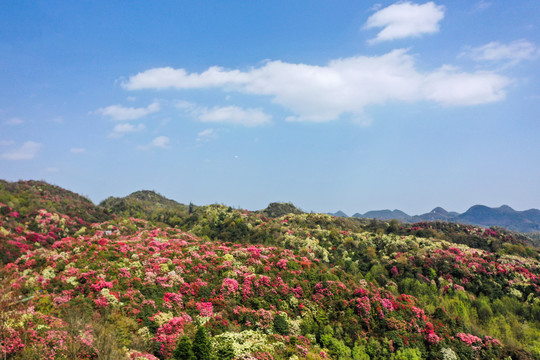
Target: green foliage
column 281, row 326
column 376, row 350
column 184, row 350
column 483, row 309
column 201, row 344
column 225, row 352
column 359, row 352
column 45, row 305
column 408, row 354
column 337, row 348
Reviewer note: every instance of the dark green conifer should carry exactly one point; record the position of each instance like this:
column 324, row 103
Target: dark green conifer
column 281, row 326
column 201, row 344
column 183, row 350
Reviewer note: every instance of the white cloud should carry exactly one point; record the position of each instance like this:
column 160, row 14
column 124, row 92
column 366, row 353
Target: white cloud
column 6, row 142
column 158, row 142
column 207, row 135
column 122, row 113
column 14, row 121
column 52, row 169
column 406, row 19
column 161, row 78
column 450, row 87
column 513, row 52
column 77, row 150
column 161, row 142
column 322, row 93
column 27, row 151
column 227, row 114
column 122, row 129
column 233, row 115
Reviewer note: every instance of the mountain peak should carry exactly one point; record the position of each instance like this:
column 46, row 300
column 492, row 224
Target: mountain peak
column 439, row 210
column 506, row 208
column 339, row 213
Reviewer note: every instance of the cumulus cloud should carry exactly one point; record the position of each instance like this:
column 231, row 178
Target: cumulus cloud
column 122, row 129
column 122, row 113
column 513, row 52
column 207, row 135
column 27, row 151
column 322, row 93
column 405, row 19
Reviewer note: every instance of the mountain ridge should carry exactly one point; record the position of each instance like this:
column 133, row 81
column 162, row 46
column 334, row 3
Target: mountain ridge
column 504, row 216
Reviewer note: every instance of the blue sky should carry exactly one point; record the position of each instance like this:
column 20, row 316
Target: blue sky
column 330, row 105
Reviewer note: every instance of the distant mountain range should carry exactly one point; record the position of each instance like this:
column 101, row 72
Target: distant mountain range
column 504, row 216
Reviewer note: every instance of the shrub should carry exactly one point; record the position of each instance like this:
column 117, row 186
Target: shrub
column 281, row 326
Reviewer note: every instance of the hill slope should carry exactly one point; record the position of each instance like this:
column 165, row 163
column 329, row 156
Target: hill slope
column 30, row 196
column 295, row 286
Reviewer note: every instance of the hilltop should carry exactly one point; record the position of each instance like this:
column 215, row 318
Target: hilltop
column 144, row 204
column 279, row 209
column 30, row 196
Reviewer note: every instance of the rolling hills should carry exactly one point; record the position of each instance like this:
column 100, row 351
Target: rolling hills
column 237, row 284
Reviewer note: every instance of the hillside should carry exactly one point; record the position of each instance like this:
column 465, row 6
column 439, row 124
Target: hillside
column 28, row 197
column 246, row 285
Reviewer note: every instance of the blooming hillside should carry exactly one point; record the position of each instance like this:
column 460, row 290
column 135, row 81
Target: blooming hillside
column 28, row 197
column 298, row 286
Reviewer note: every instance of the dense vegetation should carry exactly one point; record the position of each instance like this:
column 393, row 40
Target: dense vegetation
column 79, row 281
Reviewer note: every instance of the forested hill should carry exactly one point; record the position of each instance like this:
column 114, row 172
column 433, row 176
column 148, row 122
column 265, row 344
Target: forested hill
column 143, row 204
column 28, row 197
column 213, row 282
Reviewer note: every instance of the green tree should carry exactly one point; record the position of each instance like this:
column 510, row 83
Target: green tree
column 184, row 350
column 201, row 344
column 281, row 326
column 226, row 352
